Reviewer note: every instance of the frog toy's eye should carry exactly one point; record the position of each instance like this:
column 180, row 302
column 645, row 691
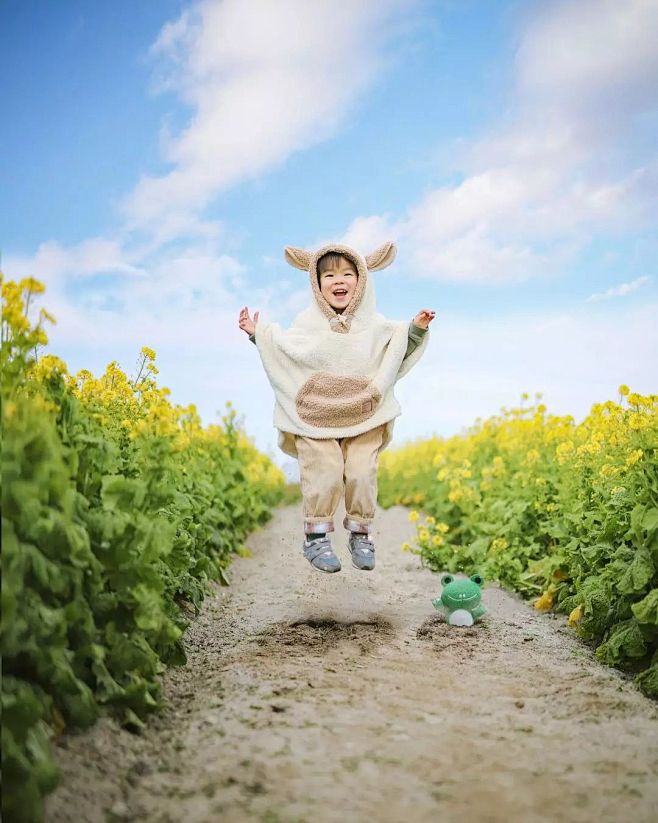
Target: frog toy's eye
column 446, row 578
column 477, row 578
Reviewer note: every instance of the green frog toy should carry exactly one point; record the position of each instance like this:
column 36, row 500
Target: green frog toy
column 461, row 600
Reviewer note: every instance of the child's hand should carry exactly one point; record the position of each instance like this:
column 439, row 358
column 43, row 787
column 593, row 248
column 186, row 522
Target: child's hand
column 246, row 323
column 424, row 318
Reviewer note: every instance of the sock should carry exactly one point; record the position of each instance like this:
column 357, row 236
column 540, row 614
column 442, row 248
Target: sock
column 315, row 535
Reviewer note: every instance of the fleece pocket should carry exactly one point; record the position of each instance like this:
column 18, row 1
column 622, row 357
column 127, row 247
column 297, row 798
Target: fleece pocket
column 334, row 400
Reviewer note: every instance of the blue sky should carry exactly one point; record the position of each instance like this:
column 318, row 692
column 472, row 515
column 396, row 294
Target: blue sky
column 157, row 157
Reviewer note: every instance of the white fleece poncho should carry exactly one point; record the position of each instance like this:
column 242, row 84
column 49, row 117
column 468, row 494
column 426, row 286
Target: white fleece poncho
column 333, row 374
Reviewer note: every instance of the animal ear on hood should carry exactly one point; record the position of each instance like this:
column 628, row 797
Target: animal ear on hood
column 381, row 257
column 299, row 258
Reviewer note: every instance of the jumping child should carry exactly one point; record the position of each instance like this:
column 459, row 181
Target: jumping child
column 333, row 373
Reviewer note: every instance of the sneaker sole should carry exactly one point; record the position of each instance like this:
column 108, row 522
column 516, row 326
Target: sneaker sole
column 363, row 568
column 319, row 569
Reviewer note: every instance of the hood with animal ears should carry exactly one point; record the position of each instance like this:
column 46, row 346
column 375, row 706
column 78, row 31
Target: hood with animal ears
column 362, row 303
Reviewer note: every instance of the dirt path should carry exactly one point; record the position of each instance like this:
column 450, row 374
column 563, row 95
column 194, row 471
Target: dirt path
column 312, row 697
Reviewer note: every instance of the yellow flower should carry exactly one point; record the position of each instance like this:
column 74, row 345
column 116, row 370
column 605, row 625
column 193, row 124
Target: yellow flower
column 575, row 616
column 40, row 337
column 32, row 285
column 499, row 544
column 149, row 354
column 413, row 516
column 46, row 315
column 623, row 390
column 545, row 601
column 455, row 495
column 633, row 457
column 13, row 317
column 47, row 365
column 563, row 451
column 424, row 535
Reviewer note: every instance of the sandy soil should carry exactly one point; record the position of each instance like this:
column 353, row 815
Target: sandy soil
column 345, row 697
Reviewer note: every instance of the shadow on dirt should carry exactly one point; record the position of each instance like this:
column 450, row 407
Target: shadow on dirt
column 463, row 639
column 319, row 634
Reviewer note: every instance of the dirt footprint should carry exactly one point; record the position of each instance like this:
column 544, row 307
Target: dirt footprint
column 318, row 635
column 458, row 643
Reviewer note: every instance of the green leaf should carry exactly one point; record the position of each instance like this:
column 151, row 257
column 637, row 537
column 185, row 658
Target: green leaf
column 149, row 615
column 650, row 520
column 122, row 493
column 625, row 640
column 647, row 681
column 638, row 574
column 646, row 610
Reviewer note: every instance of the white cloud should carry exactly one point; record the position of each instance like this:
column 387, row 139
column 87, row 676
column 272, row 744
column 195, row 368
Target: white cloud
column 367, row 233
column 55, row 263
column 473, row 367
column 262, row 80
column 186, row 298
column 594, row 60
column 619, row 291
column 561, row 166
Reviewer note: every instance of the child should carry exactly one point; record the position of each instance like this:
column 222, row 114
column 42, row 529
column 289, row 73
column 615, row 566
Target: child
column 333, row 373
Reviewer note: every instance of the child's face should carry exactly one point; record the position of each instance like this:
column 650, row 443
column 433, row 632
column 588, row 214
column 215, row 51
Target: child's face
column 338, row 284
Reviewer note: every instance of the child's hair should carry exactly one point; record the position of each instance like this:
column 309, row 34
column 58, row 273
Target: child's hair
column 331, row 260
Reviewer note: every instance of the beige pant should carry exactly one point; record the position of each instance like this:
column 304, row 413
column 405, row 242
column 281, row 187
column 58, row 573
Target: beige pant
column 327, row 467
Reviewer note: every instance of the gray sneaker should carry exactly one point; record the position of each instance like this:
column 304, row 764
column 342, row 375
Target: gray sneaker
column 363, row 552
column 320, row 554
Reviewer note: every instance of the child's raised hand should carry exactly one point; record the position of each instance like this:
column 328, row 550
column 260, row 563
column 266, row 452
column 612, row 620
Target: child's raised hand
column 246, row 323
column 424, row 318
